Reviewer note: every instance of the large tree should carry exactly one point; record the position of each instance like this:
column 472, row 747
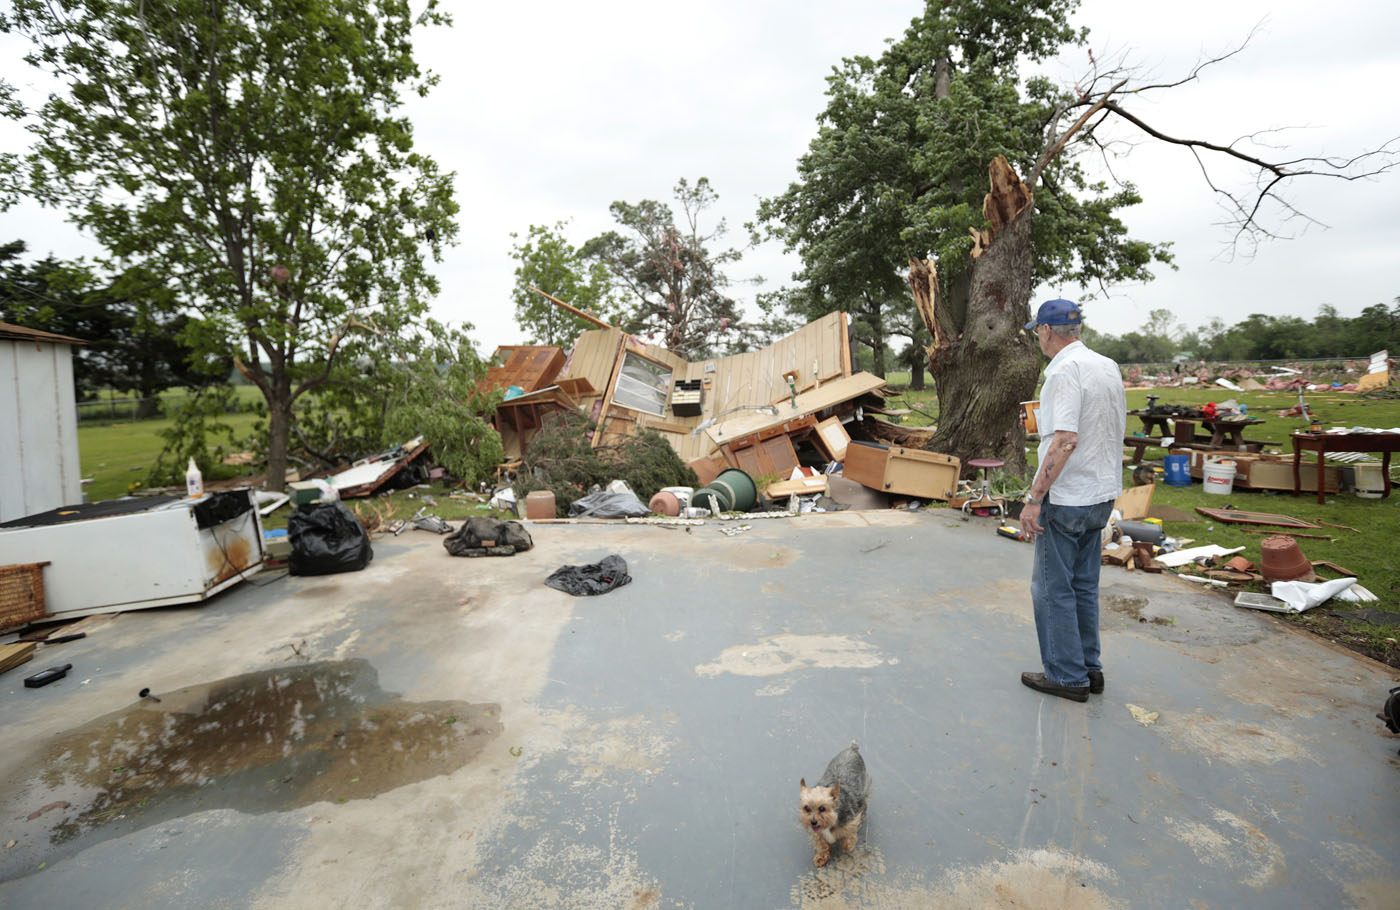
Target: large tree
column 676, row 285
column 939, row 159
column 250, row 153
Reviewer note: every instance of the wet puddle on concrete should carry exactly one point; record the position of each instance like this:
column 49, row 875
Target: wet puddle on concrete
column 261, row 742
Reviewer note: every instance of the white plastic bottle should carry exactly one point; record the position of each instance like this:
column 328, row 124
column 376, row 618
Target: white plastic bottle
column 194, row 481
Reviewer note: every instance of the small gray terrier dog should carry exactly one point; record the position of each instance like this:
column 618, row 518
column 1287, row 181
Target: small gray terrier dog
column 832, row 810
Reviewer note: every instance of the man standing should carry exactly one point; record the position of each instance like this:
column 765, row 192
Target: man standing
column 1083, row 415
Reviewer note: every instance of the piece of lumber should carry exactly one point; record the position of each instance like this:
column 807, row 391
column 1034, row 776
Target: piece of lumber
column 12, row 655
column 802, row 486
column 1241, row 517
column 1339, row 527
column 1332, row 566
column 1286, row 534
column 577, row 312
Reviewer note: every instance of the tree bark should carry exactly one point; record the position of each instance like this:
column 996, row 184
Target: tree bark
column 279, row 421
column 916, row 375
column 983, row 364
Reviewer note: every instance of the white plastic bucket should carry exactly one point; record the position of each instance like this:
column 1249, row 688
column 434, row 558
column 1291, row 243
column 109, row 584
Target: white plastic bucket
column 1218, row 477
column 1370, row 482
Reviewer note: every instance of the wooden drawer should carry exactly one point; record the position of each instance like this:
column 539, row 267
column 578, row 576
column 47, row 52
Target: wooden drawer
column 902, row 470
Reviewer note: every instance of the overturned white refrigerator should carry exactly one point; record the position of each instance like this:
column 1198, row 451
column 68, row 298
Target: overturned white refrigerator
column 130, row 554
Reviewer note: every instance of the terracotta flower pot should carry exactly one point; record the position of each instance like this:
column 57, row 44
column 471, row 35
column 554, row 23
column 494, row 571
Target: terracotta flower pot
column 665, row 503
column 1281, row 560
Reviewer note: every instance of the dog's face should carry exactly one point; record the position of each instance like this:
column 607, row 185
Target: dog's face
column 817, row 806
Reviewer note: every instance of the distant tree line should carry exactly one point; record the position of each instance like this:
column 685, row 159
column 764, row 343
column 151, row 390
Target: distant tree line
column 1259, row 336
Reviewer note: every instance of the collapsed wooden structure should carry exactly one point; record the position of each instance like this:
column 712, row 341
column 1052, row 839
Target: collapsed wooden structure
column 760, row 411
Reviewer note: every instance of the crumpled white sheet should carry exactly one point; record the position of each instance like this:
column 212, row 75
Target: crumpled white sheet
column 1302, row 595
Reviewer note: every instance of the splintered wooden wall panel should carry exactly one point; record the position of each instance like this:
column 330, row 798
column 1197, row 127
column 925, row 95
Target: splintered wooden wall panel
column 593, row 358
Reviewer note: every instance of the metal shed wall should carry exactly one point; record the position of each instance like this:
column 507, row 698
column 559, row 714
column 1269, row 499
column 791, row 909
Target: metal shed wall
column 39, row 466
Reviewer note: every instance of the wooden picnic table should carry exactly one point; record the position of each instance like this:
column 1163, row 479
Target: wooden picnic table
column 1225, row 431
column 1322, row 443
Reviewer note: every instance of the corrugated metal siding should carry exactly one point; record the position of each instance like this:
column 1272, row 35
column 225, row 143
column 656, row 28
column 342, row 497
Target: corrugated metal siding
column 39, row 465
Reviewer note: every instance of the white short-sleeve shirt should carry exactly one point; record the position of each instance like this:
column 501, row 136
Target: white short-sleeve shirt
column 1083, row 394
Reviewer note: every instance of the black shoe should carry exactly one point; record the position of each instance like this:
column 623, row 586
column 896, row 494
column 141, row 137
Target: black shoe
column 1038, row 682
column 1096, row 682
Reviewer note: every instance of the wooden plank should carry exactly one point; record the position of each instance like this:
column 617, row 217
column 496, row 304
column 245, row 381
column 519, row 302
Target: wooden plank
column 1237, row 516
column 843, row 331
column 649, row 423
column 577, row 312
column 611, row 387
column 12, row 655
column 801, row 486
column 829, row 395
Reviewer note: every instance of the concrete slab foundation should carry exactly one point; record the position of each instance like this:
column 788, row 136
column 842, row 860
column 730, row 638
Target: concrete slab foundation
column 440, row 732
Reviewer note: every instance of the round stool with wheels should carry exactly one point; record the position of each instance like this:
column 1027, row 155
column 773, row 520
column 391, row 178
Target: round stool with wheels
column 985, row 499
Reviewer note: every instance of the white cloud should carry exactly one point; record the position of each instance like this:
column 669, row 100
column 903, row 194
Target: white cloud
column 550, row 111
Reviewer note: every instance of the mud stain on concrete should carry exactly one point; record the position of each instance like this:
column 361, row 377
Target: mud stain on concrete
column 760, row 554
column 1363, row 874
column 785, row 653
column 1030, row 878
column 1233, row 741
column 1232, row 844
column 259, row 742
column 557, row 872
column 1008, row 596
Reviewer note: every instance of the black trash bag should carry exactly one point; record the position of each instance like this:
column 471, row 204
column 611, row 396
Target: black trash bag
column 1390, row 711
column 608, row 505
column 598, row 578
column 489, row 537
column 326, row 538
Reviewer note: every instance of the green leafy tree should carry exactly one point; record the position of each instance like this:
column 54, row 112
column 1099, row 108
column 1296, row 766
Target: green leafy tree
column 898, row 176
column 249, row 153
column 547, row 261
column 676, row 284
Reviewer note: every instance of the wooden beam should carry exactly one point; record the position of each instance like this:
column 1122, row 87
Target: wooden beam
column 577, row 312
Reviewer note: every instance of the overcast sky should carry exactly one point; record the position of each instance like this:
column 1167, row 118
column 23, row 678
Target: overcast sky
column 550, row 111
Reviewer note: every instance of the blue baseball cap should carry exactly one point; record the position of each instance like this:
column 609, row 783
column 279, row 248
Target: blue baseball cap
column 1056, row 312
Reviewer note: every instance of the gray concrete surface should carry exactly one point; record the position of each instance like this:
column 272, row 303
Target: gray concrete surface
column 439, row 732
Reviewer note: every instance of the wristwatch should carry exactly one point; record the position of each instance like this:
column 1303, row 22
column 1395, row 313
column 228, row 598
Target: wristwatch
column 1031, row 500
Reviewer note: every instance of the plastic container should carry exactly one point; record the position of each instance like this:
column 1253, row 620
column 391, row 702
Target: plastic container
column 194, row 481
column 732, row 491
column 540, row 504
column 1370, row 482
column 1141, row 530
column 1178, row 469
column 1218, row 477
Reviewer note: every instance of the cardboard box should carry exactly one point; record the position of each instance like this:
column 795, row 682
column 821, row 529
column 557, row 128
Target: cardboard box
column 901, row 470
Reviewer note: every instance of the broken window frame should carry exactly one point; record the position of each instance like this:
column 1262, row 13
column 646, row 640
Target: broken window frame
column 651, row 389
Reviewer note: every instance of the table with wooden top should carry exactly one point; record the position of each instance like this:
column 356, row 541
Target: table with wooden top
column 1223, row 432
column 1322, row 443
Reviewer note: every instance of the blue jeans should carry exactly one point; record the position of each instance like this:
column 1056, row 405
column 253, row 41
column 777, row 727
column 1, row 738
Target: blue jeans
column 1065, row 590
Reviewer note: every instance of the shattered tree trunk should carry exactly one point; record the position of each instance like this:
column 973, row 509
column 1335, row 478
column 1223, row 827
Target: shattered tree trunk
column 983, row 363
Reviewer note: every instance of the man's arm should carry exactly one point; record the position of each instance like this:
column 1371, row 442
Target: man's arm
column 1062, row 445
